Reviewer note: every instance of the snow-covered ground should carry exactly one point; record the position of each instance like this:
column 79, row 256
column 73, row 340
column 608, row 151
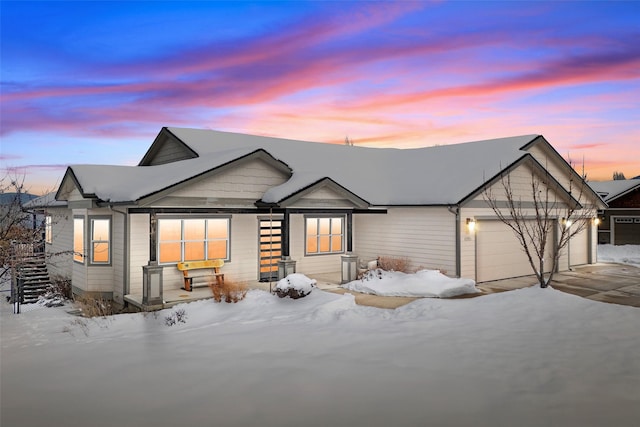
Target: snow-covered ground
column 424, row 283
column 531, row 357
column 623, row 254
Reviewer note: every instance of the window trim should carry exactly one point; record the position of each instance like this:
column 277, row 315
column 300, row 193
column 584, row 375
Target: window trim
column 91, row 242
column 81, row 253
column 48, row 230
column 182, row 239
column 317, row 217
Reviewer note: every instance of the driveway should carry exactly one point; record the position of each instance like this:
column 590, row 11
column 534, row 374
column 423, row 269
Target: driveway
column 604, row 282
column 612, row 283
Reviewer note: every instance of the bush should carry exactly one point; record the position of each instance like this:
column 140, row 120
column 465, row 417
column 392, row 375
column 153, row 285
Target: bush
column 91, row 306
column 61, row 287
column 295, row 286
column 228, row 291
column 57, row 294
column 388, row 263
column 177, row 316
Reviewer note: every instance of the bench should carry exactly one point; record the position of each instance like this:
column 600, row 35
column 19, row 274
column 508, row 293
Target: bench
column 189, row 271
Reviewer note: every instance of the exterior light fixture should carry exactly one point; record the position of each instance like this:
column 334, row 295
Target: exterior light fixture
column 471, row 224
column 596, row 221
column 566, row 222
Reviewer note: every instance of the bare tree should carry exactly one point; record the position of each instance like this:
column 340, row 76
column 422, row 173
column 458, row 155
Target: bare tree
column 15, row 224
column 534, row 220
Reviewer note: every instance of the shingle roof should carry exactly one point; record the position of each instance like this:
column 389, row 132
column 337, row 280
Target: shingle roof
column 436, row 175
column 611, row 190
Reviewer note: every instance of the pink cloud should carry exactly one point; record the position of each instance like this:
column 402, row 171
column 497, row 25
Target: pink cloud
column 8, row 157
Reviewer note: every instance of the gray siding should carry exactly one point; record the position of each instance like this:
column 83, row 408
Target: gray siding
column 309, row 265
column 424, row 235
column 59, row 255
column 138, row 250
column 118, row 255
column 170, row 151
column 240, row 186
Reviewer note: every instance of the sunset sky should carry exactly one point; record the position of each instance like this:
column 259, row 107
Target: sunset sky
column 93, row 82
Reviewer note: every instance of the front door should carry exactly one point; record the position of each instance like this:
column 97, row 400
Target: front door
column 270, row 231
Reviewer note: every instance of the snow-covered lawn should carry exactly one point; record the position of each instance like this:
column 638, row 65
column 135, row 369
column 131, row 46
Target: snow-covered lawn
column 532, row 357
column 424, row 283
column 623, row 254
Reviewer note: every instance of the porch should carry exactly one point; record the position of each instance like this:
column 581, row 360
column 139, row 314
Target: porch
column 174, row 296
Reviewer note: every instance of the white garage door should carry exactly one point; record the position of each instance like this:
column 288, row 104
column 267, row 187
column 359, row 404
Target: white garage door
column 579, row 248
column 499, row 254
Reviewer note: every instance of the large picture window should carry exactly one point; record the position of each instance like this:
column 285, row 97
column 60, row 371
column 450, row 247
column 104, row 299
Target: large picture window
column 324, row 235
column 100, row 241
column 193, row 239
column 78, row 239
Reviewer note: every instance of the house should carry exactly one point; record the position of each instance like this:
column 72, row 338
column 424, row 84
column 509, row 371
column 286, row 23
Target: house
column 259, row 202
column 620, row 222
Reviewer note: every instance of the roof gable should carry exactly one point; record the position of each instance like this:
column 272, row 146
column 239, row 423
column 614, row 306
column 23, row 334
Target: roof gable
column 538, row 171
column 166, row 148
column 127, row 184
column 241, row 181
column 323, row 191
column 70, row 183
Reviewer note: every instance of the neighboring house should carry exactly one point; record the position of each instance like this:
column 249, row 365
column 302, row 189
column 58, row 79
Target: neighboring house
column 620, row 222
column 253, row 201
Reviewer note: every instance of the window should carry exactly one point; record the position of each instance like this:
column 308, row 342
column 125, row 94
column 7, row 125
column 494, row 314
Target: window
column 100, row 241
column 78, row 240
column 193, row 239
column 624, row 220
column 48, row 237
column 325, row 235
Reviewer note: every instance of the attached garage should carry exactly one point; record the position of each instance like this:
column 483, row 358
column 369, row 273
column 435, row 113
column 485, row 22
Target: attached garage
column 578, row 248
column 499, row 255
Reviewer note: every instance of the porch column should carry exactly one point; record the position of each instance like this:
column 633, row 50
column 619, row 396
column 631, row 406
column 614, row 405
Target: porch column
column 285, row 234
column 152, row 273
column 153, row 238
column 350, row 232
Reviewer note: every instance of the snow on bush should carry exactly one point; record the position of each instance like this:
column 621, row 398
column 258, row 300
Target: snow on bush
column 295, row 285
column 424, row 283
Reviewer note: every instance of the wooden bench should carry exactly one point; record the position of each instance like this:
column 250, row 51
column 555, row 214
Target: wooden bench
column 213, row 265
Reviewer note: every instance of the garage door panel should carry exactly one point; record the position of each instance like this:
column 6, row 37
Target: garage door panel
column 578, row 248
column 499, row 255
column 627, row 232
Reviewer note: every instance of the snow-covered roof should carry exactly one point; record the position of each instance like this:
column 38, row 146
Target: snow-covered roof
column 131, row 183
column 437, row 175
column 611, row 190
column 48, row 200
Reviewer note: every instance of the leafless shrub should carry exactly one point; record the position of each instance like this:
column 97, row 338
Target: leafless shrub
column 77, row 323
column 91, row 306
column 389, row 263
column 228, row 291
column 177, row 316
column 61, row 286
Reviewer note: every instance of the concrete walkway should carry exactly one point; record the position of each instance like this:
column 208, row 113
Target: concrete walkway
column 610, row 283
